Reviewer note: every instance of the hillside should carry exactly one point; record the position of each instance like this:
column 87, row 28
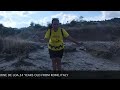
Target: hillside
column 86, row 31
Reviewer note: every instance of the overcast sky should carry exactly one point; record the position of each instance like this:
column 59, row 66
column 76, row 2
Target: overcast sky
column 19, row 19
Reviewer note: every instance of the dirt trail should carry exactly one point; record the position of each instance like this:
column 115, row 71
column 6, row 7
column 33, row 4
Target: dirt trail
column 79, row 60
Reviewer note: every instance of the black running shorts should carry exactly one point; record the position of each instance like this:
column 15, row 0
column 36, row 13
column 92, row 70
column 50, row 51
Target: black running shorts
column 54, row 54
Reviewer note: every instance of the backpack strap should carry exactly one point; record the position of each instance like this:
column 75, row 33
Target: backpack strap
column 50, row 33
column 62, row 32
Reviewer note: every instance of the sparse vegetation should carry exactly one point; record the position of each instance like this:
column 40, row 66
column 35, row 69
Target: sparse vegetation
column 14, row 47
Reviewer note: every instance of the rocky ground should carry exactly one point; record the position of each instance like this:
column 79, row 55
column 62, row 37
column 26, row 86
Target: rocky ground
column 73, row 59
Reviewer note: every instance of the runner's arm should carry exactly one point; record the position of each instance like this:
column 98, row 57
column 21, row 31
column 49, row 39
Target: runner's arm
column 73, row 40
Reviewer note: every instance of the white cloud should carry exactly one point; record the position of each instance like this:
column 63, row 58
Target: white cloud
column 57, row 15
column 15, row 18
column 18, row 13
column 95, row 18
column 111, row 14
column 68, row 17
column 65, row 17
column 44, row 21
column 22, row 13
column 104, row 15
column 8, row 22
column 62, row 17
column 24, row 18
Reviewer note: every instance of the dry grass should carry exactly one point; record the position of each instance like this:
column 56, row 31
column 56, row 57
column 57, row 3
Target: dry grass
column 15, row 47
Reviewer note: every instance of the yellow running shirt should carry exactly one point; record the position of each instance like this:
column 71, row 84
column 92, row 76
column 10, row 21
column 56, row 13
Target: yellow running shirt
column 56, row 39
